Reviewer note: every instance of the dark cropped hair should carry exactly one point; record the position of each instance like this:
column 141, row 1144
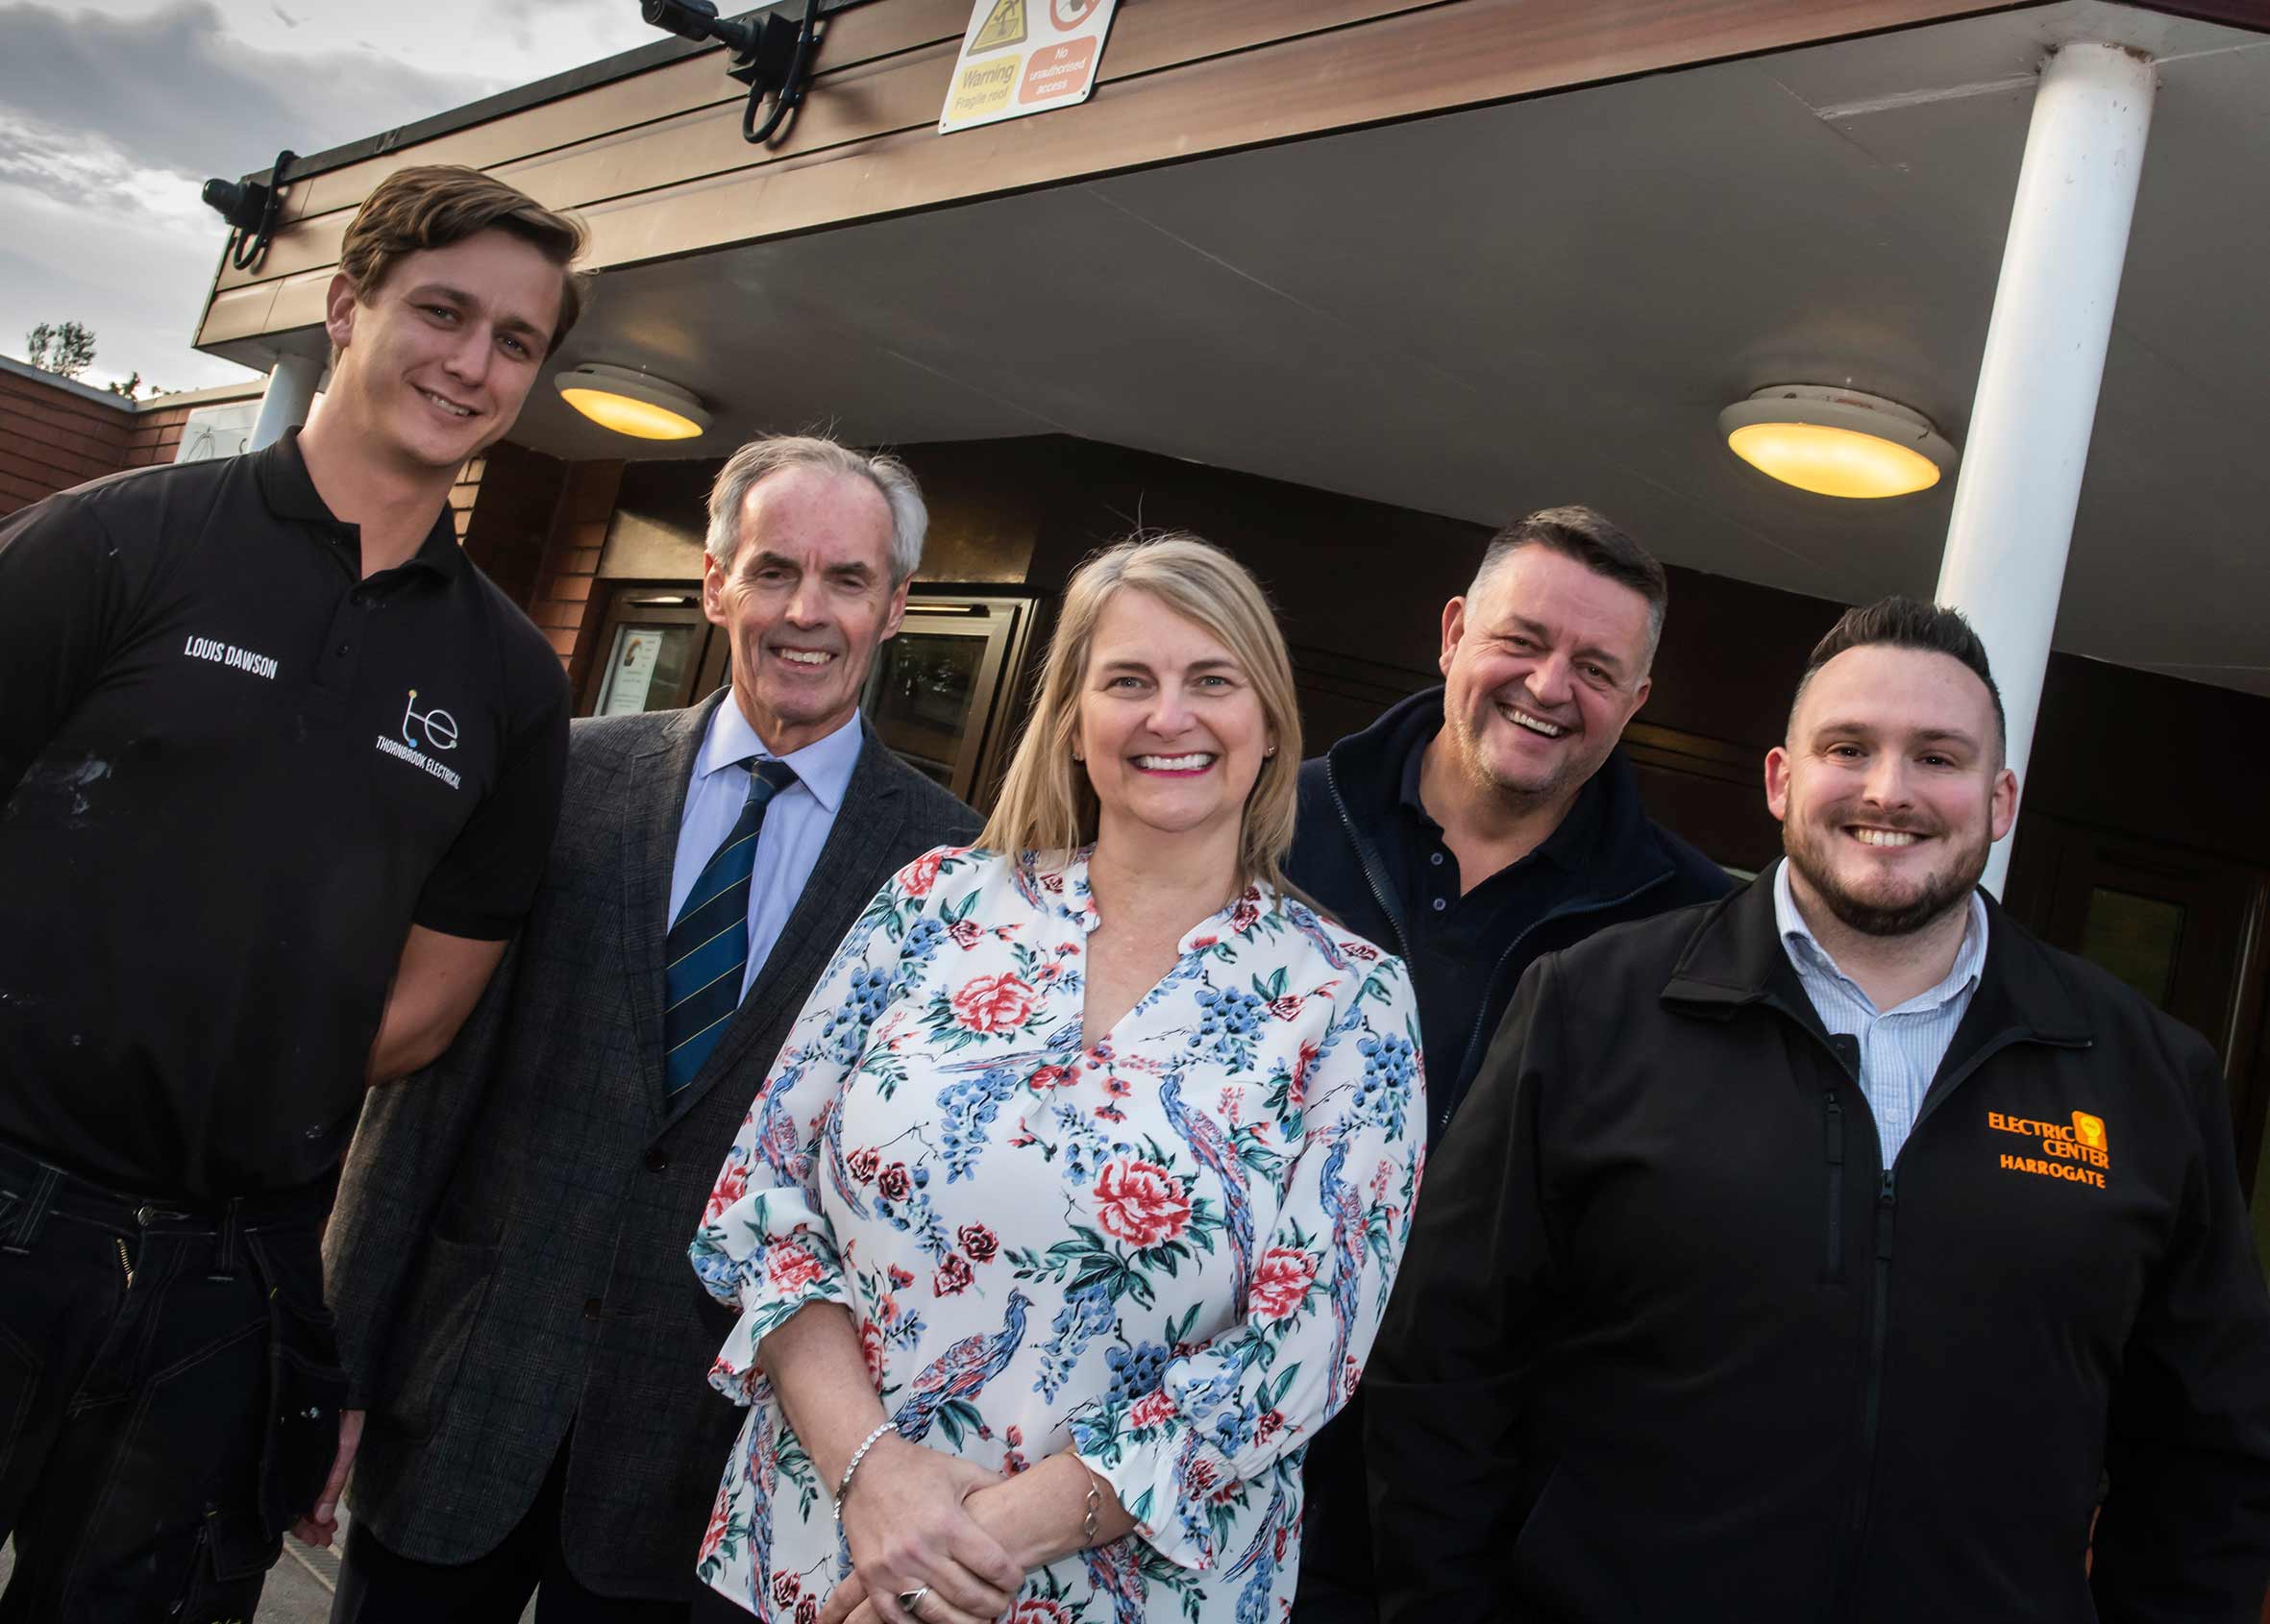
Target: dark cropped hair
column 434, row 204
column 1908, row 622
column 1585, row 534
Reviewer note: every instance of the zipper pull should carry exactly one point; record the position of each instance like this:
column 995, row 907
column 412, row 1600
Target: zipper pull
column 1885, row 1198
column 1833, row 1128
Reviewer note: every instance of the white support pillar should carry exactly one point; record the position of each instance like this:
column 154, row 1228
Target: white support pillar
column 2014, row 500
column 291, row 391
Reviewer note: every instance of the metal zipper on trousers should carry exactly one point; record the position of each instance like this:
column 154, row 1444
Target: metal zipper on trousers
column 125, row 1262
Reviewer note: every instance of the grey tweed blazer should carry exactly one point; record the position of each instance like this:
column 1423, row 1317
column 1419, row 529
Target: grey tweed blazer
column 508, row 1253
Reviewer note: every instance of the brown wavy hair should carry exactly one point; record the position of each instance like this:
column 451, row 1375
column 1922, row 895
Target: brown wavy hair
column 433, row 206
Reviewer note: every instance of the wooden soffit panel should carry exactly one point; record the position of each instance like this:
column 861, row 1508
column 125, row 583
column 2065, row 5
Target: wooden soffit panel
column 655, row 165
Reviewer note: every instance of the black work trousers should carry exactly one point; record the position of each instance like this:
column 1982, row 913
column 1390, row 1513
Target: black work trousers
column 136, row 1385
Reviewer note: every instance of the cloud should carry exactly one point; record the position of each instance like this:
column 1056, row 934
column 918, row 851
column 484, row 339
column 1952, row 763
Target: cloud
column 174, row 91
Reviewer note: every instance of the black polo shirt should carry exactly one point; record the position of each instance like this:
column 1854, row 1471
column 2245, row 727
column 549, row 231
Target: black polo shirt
column 232, row 774
column 1456, row 939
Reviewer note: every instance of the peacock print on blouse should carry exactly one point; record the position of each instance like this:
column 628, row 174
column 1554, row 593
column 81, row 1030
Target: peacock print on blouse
column 1170, row 1252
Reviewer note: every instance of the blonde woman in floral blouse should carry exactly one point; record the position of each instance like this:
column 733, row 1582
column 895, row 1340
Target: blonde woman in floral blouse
column 1070, row 1209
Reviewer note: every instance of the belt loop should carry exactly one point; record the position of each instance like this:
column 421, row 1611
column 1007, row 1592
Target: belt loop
column 224, row 1265
column 36, row 1206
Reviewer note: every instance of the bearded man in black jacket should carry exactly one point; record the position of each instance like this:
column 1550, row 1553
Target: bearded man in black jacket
column 1474, row 827
column 1819, row 1252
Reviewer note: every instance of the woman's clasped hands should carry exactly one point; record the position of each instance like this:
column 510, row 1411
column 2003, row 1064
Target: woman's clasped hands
column 910, row 1531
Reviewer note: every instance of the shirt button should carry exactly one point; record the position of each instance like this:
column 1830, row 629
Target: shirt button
column 592, row 1307
column 342, row 650
column 314, row 1132
column 1436, row 859
column 657, row 1162
column 1439, row 904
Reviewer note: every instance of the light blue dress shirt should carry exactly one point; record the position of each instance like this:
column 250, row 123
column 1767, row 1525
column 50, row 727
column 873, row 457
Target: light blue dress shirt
column 1901, row 1047
column 796, row 822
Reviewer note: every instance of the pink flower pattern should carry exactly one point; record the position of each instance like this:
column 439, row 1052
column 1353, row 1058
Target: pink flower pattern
column 1166, row 1253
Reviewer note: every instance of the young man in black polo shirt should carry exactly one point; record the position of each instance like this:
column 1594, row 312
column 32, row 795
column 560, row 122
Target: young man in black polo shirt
column 278, row 772
column 1473, row 827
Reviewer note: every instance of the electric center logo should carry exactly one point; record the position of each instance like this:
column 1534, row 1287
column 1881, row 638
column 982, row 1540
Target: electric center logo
column 433, row 727
column 2077, row 1150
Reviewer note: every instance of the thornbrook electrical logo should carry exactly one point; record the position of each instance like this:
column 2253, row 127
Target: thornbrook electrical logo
column 436, row 728
column 2076, row 1151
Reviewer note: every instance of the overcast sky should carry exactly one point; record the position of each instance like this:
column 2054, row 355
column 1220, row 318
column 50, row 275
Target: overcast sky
column 113, row 112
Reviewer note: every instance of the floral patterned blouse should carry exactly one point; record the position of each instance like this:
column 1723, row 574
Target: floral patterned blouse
column 1170, row 1252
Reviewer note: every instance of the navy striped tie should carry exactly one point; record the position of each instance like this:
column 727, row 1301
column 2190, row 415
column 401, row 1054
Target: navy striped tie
column 707, row 948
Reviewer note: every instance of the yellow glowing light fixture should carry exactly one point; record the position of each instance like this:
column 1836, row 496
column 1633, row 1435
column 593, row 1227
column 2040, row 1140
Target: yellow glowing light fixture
column 632, row 403
column 1836, row 442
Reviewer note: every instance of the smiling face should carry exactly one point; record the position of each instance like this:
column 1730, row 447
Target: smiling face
column 435, row 362
column 1891, row 787
column 1541, row 668
column 1170, row 728
column 805, row 601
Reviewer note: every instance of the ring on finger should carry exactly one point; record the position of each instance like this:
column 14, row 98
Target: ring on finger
column 912, row 1600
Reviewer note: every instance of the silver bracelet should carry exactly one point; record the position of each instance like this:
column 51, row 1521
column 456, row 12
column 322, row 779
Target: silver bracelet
column 857, row 1454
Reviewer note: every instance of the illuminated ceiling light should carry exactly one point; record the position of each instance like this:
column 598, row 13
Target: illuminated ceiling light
column 1836, row 442
column 632, row 403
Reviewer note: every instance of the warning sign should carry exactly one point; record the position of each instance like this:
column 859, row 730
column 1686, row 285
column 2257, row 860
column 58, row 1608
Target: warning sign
column 1059, row 73
column 1003, row 25
column 1025, row 55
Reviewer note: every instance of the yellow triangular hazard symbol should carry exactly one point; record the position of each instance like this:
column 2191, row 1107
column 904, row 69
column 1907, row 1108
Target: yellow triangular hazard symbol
column 1003, row 25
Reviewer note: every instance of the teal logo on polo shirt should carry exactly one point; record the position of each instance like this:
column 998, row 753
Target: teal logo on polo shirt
column 434, row 729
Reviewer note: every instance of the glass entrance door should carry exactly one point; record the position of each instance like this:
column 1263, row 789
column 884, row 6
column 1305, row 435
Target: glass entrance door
column 937, row 691
column 656, row 652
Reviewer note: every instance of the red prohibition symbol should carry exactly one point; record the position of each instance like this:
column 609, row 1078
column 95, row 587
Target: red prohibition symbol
column 1069, row 14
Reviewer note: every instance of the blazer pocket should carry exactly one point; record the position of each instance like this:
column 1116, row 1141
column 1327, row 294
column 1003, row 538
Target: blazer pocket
column 431, row 1335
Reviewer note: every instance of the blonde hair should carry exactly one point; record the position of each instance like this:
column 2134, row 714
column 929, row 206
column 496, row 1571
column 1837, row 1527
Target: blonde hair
column 1047, row 802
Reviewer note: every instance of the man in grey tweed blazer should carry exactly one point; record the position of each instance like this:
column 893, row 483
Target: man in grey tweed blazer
column 507, row 1257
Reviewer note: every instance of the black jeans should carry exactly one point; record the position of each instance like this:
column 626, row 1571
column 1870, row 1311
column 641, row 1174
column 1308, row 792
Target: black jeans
column 378, row 1586
column 140, row 1385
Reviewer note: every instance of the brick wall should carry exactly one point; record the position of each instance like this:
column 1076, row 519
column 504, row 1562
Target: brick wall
column 54, row 434
column 54, row 437
column 570, row 562
column 156, row 434
column 505, row 504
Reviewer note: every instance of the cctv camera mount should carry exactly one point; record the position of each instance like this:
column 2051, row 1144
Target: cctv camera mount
column 769, row 54
column 250, row 209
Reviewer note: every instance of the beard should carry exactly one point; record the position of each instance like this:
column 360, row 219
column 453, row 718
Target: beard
column 1556, row 782
column 1948, row 886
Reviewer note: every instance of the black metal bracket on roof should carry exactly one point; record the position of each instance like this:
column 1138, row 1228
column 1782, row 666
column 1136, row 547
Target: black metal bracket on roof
column 250, row 209
column 769, row 54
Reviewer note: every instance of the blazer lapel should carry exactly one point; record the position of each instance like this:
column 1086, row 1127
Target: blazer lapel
column 846, row 876
column 653, row 800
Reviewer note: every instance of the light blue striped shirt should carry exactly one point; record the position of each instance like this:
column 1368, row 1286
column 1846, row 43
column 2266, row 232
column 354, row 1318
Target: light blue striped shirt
column 1900, row 1048
column 796, row 824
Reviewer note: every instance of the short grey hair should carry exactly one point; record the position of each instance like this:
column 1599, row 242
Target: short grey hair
column 760, row 459
column 1588, row 536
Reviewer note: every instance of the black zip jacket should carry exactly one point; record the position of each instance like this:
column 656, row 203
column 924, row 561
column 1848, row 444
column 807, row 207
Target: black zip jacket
column 1635, row 869
column 1670, row 1342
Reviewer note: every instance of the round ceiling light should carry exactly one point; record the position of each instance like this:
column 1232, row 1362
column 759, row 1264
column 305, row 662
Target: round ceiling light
column 632, row 403
column 1836, row 442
